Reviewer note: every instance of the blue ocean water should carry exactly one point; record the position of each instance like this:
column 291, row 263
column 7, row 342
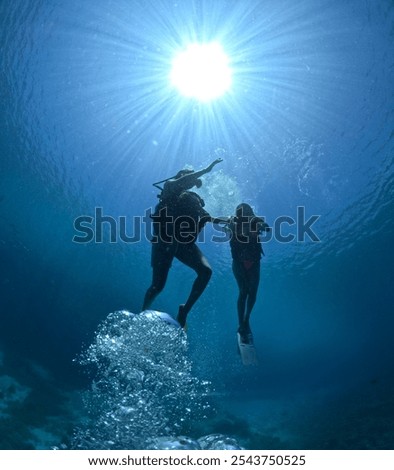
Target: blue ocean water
column 89, row 120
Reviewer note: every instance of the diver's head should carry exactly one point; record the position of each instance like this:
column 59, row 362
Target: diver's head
column 244, row 210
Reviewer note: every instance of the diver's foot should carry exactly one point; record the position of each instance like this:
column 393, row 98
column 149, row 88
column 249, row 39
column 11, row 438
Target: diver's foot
column 181, row 318
column 245, row 334
column 242, row 333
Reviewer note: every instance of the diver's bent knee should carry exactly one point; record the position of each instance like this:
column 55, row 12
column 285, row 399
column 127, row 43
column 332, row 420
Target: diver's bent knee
column 206, row 272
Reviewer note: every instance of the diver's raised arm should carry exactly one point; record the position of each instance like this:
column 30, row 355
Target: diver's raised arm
column 199, row 173
column 190, row 179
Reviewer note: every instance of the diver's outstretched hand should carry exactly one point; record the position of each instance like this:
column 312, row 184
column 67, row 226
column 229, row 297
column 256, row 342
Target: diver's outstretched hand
column 218, row 160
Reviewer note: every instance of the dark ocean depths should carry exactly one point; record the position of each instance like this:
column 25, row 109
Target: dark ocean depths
column 89, row 120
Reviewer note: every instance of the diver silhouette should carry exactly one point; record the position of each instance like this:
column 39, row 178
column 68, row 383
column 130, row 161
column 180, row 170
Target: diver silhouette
column 178, row 219
column 246, row 250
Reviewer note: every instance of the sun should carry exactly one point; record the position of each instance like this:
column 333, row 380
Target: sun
column 201, row 71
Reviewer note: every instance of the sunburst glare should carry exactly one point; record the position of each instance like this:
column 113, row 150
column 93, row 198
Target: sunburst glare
column 201, row 71
column 185, row 81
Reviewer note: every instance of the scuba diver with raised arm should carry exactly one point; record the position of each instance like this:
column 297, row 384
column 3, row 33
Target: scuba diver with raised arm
column 177, row 221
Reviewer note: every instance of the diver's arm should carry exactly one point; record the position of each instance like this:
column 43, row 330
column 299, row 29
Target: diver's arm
column 189, row 180
column 199, row 173
column 215, row 220
column 220, row 220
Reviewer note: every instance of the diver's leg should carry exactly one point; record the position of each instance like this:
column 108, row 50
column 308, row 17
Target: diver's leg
column 162, row 256
column 253, row 276
column 159, row 279
column 191, row 256
column 240, row 277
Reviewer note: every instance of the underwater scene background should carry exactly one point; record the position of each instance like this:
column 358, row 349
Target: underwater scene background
column 89, row 120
